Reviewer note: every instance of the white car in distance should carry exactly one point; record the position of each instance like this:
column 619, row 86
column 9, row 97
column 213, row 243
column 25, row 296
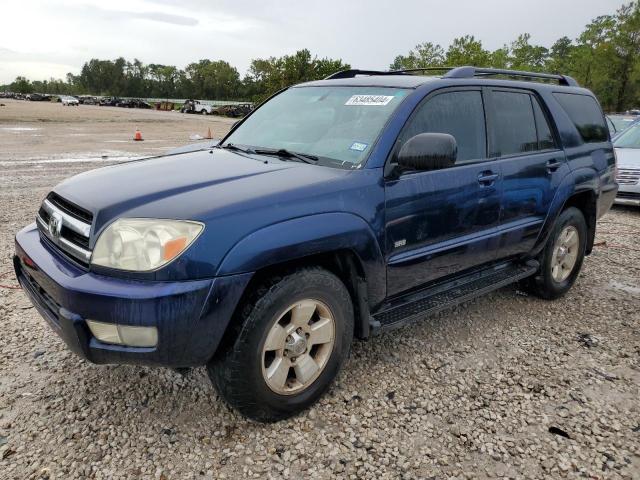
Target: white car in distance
column 627, row 146
column 69, row 101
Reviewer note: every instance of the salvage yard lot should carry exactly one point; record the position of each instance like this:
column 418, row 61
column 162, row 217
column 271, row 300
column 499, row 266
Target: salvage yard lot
column 507, row 385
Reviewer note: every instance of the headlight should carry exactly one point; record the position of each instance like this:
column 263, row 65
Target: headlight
column 143, row 244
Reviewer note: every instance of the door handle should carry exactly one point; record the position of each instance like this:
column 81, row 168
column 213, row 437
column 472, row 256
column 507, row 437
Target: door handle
column 553, row 165
column 487, row 178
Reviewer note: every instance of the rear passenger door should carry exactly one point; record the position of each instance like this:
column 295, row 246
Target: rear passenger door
column 442, row 222
column 532, row 164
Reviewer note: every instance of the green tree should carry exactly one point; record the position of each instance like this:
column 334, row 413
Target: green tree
column 423, row 55
column 524, row 56
column 21, row 85
column 626, row 45
column 467, row 51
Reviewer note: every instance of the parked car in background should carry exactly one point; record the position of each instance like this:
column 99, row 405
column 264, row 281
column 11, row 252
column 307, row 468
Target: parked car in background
column 196, row 106
column 339, row 208
column 618, row 122
column 69, row 101
column 627, row 146
column 38, row 97
column 236, row 111
column 110, row 101
column 88, row 100
column 139, row 103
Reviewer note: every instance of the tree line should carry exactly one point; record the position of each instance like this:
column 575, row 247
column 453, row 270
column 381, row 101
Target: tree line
column 605, row 58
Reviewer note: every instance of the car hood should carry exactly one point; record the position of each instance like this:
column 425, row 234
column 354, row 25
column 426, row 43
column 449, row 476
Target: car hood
column 628, row 157
column 191, row 186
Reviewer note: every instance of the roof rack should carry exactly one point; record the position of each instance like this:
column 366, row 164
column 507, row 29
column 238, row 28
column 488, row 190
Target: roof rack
column 355, row 72
column 470, row 72
column 461, row 72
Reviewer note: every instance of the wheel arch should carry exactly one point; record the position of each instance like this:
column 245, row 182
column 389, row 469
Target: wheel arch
column 341, row 243
column 578, row 189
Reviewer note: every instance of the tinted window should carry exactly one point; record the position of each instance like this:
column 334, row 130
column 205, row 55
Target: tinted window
column 515, row 126
column 586, row 115
column 545, row 137
column 460, row 114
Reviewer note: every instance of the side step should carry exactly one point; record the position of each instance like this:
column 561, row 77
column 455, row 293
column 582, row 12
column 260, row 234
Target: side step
column 426, row 302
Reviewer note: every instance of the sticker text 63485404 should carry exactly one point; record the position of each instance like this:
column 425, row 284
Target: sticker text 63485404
column 379, row 100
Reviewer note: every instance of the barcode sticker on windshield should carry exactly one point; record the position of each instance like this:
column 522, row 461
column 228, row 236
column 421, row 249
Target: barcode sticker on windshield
column 380, row 100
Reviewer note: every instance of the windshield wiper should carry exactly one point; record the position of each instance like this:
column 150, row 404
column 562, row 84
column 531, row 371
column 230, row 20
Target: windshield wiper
column 283, row 152
column 231, row 146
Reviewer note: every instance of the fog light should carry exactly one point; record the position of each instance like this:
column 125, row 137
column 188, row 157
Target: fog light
column 124, row 334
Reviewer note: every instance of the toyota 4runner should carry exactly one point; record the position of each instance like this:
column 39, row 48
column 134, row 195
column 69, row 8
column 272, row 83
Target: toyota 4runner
column 338, row 208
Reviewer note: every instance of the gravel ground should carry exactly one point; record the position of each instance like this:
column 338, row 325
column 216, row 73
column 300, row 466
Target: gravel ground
column 505, row 386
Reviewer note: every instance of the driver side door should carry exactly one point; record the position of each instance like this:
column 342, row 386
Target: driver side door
column 442, row 222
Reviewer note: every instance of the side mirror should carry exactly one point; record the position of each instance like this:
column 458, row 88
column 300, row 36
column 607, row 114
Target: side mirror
column 428, row 151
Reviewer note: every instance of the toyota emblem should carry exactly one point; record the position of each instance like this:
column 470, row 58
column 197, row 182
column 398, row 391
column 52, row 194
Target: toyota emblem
column 55, row 224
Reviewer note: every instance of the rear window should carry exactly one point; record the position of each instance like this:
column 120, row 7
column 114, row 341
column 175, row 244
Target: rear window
column 586, row 115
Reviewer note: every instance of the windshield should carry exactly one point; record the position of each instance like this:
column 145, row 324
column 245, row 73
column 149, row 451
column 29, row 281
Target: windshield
column 630, row 138
column 338, row 125
column 620, row 122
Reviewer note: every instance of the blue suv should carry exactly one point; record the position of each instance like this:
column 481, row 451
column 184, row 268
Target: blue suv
column 338, row 208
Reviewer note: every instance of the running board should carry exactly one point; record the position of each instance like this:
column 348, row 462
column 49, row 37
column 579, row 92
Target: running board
column 426, row 302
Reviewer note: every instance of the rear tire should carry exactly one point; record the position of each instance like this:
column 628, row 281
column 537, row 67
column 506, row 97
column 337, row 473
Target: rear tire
column 245, row 373
column 562, row 257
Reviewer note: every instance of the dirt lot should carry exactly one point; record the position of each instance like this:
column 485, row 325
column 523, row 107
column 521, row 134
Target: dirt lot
column 45, row 130
column 506, row 386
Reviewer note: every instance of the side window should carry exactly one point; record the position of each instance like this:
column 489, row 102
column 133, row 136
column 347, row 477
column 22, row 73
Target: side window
column 460, row 114
column 545, row 137
column 586, row 115
column 514, row 123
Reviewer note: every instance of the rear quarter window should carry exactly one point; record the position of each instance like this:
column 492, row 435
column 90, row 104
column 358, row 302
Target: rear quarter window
column 586, row 115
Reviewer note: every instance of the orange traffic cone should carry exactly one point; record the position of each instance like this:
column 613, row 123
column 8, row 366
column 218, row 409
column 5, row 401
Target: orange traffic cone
column 138, row 136
column 209, row 136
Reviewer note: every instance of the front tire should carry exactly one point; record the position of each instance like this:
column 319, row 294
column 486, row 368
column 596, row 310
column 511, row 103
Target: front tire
column 293, row 336
column 562, row 257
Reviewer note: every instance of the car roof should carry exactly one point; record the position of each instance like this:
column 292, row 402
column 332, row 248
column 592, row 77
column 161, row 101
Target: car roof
column 414, row 81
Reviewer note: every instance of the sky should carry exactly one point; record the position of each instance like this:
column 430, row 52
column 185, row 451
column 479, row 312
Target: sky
column 48, row 38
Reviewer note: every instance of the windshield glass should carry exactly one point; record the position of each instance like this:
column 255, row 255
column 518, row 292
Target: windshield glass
column 621, row 122
column 630, row 138
column 339, row 125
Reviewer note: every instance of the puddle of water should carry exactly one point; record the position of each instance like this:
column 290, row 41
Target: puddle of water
column 68, row 160
column 131, row 140
column 19, row 129
column 615, row 285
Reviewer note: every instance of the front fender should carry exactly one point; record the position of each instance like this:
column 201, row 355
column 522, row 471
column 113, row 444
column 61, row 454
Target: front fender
column 310, row 235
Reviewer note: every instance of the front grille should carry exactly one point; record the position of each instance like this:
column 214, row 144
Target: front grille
column 70, row 208
column 628, row 195
column 628, row 176
column 66, row 226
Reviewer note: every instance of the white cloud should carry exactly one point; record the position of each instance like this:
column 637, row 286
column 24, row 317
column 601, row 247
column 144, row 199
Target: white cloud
column 44, row 38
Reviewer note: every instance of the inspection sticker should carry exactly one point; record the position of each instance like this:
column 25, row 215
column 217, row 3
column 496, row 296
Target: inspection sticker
column 380, row 100
column 358, row 146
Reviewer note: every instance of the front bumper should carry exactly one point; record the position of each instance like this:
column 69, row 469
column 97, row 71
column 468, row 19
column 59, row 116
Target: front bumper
column 191, row 316
column 628, row 195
